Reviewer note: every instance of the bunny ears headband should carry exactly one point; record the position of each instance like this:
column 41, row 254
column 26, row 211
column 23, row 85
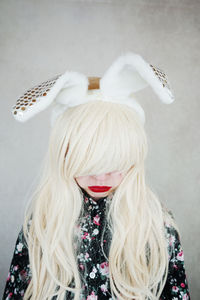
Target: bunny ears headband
column 128, row 74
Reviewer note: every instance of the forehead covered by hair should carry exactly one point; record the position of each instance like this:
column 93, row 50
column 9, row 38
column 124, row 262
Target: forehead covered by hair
column 100, row 137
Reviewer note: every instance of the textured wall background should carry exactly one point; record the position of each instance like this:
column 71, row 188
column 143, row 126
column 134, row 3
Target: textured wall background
column 40, row 39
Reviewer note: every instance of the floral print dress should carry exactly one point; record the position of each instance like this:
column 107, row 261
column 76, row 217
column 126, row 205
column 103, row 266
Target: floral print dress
column 93, row 260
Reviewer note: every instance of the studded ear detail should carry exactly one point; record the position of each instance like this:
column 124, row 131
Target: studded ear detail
column 161, row 76
column 33, row 98
column 130, row 73
column 43, row 95
column 164, row 80
column 126, row 76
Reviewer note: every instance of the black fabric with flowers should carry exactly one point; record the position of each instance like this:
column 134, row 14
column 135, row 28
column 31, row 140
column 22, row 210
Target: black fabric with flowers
column 93, row 264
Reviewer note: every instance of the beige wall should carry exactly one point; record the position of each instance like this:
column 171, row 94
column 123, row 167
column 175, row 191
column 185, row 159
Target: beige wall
column 40, row 39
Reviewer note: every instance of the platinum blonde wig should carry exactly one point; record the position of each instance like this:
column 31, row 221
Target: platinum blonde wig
column 95, row 138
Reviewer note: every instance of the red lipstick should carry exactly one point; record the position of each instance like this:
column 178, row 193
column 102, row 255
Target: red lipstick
column 99, row 189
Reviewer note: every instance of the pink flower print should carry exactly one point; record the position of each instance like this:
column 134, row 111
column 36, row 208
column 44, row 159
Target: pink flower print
column 175, row 267
column 96, row 220
column 94, row 270
column 182, row 284
column 104, row 288
column 180, row 256
column 85, row 235
column 22, row 293
column 92, row 296
column 19, row 247
column 171, row 240
column 81, row 266
column 86, row 200
column 8, row 278
column 104, row 268
column 86, row 255
column 175, row 289
column 16, row 268
column 10, row 295
column 185, row 297
column 23, row 274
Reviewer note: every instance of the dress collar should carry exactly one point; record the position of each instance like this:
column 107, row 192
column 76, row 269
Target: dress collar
column 89, row 201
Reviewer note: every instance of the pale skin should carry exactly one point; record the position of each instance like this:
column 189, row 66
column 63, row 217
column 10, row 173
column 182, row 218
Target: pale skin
column 112, row 179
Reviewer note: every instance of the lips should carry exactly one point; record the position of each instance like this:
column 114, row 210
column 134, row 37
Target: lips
column 99, row 189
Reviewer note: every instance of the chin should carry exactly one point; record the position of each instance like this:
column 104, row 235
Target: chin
column 97, row 195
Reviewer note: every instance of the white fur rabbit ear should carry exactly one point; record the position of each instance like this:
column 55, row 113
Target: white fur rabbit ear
column 130, row 73
column 38, row 98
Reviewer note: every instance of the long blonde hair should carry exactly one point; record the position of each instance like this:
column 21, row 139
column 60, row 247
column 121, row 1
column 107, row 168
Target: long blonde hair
column 94, row 138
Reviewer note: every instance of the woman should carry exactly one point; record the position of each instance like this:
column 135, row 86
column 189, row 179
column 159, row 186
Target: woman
column 94, row 229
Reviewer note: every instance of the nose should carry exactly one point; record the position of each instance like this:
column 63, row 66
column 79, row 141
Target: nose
column 100, row 177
